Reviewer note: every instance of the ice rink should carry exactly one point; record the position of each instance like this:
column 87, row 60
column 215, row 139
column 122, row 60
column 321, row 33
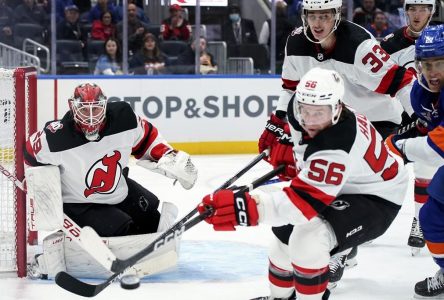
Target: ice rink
column 233, row 265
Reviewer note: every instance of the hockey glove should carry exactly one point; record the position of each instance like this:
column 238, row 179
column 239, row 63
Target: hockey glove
column 273, row 131
column 396, row 144
column 230, row 209
column 282, row 153
column 176, row 165
column 417, row 127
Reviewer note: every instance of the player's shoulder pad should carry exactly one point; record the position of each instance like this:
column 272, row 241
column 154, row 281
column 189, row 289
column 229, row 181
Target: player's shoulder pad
column 396, row 41
column 62, row 135
column 348, row 38
column 298, row 44
column 119, row 117
column 341, row 136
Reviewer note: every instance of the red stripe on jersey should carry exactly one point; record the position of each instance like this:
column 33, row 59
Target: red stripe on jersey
column 159, row 150
column 314, row 196
column 388, row 78
column 142, row 141
column 29, row 151
column 289, row 84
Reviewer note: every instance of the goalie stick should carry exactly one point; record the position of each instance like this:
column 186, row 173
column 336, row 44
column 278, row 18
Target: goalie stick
column 85, row 237
column 76, row 286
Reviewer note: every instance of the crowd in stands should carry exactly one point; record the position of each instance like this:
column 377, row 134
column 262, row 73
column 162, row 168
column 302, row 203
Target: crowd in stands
column 98, row 24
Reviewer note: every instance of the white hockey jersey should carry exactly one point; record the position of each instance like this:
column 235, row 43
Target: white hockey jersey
column 91, row 172
column 401, row 48
column 371, row 78
column 347, row 158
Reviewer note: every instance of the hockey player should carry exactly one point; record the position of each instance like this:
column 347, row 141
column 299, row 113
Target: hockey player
column 90, row 148
column 347, row 190
column 401, row 47
column 428, row 102
column 370, row 76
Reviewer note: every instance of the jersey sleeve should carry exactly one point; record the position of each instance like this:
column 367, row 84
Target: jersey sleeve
column 375, row 70
column 318, row 183
column 149, row 143
column 37, row 152
column 428, row 149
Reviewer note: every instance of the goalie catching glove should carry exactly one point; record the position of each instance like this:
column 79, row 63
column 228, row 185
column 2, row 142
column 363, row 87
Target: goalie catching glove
column 176, row 165
column 230, row 209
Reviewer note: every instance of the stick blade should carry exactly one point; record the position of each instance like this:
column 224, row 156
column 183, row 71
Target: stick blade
column 75, row 286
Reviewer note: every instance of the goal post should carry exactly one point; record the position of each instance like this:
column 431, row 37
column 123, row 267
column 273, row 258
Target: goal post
column 18, row 119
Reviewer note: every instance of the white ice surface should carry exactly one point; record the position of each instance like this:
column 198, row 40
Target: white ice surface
column 233, row 265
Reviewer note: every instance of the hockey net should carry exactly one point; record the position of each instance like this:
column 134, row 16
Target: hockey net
column 18, row 119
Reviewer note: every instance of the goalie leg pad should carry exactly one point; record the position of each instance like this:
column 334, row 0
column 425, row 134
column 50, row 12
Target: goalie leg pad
column 52, row 260
column 44, row 197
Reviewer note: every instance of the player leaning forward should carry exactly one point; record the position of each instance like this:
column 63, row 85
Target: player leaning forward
column 347, row 190
column 89, row 150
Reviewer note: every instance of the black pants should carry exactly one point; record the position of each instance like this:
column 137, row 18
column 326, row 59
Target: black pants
column 355, row 219
column 137, row 214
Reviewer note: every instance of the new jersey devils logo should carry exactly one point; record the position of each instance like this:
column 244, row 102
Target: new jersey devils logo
column 104, row 175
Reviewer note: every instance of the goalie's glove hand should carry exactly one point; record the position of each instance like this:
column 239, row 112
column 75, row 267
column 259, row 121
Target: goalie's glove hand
column 396, row 145
column 282, row 154
column 230, row 209
column 273, row 130
column 176, row 165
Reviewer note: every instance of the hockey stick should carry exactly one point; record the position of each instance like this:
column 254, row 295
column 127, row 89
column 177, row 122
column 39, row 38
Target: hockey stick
column 84, row 289
column 85, row 237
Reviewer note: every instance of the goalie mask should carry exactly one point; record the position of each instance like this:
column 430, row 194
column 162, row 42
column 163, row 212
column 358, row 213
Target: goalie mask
column 322, row 6
column 415, row 11
column 88, row 106
column 429, row 58
column 318, row 102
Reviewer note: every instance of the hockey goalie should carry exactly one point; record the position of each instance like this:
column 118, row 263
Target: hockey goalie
column 78, row 186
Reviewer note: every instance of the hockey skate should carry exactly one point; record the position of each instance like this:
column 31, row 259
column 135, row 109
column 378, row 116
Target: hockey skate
column 431, row 287
column 337, row 266
column 416, row 238
column 33, row 269
column 351, row 260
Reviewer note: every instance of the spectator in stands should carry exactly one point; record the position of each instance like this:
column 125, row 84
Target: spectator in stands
column 140, row 13
column 363, row 15
column 60, row 9
column 104, row 28
column 283, row 29
column 379, row 27
column 101, row 7
column 110, row 63
column 186, row 63
column 69, row 28
column 136, row 30
column 237, row 30
column 149, row 60
column 30, row 12
column 175, row 27
column 6, row 23
column 83, row 5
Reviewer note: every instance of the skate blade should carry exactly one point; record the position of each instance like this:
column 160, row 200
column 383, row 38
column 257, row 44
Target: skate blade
column 332, row 285
column 415, row 251
column 351, row 263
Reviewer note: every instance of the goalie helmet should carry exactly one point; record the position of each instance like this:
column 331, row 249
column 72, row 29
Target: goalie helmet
column 431, row 3
column 313, row 5
column 320, row 87
column 88, row 106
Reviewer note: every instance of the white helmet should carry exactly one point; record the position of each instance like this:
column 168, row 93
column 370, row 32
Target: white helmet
column 320, row 87
column 308, row 5
column 419, row 2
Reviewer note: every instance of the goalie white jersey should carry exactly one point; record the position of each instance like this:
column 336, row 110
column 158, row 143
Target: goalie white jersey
column 371, row 78
column 333, row 163
column 91, row 172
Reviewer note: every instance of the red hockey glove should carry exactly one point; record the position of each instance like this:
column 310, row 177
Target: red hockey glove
column 282, row 153
column 230, row 209
column 395, row 143
column 273, row 131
